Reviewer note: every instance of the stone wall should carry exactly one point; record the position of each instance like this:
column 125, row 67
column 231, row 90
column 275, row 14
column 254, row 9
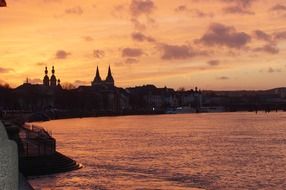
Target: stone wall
column 8, row 162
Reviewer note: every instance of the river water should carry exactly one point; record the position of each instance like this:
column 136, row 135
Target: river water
column 224, row 151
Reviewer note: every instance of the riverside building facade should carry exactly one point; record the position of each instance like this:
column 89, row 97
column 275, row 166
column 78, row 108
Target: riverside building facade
column 101, row 97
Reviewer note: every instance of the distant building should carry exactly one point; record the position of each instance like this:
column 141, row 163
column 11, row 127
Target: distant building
column 191, row 98
column 53, row 82
column 150, row 98
column 281, row 92
column 46, row 80
column 103, row 96
column 108, row 82
column 37, row 96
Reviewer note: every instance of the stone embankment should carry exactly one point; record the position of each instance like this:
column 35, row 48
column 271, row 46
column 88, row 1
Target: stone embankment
column 30, row 150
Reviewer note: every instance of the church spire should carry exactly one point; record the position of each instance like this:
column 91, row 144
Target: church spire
column 53, row 70
column 97, row 79
column 53, row 78
column 46, row 80
column 109, row 79
column 109, row 72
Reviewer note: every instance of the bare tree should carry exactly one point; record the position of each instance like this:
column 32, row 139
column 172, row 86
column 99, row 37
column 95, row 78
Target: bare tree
column 181, row 89
column 68, row 86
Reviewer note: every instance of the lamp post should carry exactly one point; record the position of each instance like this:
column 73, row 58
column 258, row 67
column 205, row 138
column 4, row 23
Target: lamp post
column 3, row 3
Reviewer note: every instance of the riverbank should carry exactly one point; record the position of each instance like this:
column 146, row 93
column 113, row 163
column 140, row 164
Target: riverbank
column 54, row 114
column 46, row 165
column 36, row 152
column 9, row 133
column 64, row 114
column 58, row 114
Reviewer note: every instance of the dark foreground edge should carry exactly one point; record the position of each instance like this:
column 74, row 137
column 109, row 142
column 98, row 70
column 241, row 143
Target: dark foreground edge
column 46, row 165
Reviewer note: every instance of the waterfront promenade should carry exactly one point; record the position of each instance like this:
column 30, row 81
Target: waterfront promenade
column 36, row 150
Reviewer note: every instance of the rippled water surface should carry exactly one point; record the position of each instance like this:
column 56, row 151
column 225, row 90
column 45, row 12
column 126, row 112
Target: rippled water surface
column 184, row 152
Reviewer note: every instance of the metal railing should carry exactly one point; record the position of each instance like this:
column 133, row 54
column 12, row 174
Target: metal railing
column 36, row 141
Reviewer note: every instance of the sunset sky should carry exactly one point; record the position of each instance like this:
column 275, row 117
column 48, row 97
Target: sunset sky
column 212, row 44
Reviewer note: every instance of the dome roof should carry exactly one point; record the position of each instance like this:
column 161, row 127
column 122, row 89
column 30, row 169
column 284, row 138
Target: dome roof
column 53, row 77
column 46, row 78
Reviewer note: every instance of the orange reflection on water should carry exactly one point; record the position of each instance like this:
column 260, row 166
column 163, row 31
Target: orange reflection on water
column 205, row 151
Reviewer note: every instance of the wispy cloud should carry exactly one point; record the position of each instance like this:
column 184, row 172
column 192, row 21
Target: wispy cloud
column 62, row 54
column 140, row 37
column 74, row 10
column 132, row 52
column 213, row 62
column 5, row 70
column 173, row 52
column 222, row 35
column 99, row 54
column 223, row 78
column 268, row 48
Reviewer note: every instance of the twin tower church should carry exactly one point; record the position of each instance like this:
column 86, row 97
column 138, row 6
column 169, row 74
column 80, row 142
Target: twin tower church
column 52, row 82
column 97, row 81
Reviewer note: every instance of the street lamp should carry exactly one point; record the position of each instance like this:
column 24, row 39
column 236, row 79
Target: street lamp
column 3, row 3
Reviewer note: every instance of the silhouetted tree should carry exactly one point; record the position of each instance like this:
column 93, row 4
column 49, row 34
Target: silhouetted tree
column 5, row 85
column 181, row 89
column 68, row 86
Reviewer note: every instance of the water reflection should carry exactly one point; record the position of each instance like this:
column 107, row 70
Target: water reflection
column 205, row 151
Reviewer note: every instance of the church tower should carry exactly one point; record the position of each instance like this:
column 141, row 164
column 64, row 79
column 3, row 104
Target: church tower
column 46, row 80
column 97, row 79
column 53, row 78
column 59, row 84
column 109, row 79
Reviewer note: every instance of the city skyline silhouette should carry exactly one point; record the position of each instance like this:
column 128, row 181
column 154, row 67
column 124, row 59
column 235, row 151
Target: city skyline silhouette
column 214, row 45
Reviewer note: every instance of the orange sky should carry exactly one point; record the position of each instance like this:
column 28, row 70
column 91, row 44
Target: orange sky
column 212, row 44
